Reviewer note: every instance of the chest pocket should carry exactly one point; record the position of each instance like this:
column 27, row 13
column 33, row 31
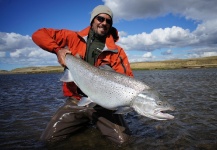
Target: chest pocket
column 104, row 58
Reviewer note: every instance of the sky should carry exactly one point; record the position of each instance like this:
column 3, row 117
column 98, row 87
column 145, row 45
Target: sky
column 149, row 30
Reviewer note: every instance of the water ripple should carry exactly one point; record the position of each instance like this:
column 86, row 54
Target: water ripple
column 29, row 101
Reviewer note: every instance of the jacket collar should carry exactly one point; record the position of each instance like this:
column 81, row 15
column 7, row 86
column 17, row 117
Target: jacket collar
column 109, row 44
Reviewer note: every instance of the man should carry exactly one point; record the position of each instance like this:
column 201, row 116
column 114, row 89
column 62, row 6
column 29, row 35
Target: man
column 96, row 45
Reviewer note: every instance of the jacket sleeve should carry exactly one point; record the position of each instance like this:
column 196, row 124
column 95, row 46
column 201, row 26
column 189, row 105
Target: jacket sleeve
column 51, row 39
column 122, row 64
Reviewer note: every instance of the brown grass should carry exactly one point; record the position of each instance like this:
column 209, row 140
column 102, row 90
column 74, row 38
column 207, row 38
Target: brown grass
column 177, row 64
column 27, row 70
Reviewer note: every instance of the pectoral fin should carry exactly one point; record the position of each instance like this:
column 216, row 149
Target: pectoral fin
column 84, row 101
column 67, row 76
column 123, row 110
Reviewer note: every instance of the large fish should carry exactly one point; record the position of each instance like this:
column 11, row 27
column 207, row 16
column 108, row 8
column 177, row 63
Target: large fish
column 115, row 91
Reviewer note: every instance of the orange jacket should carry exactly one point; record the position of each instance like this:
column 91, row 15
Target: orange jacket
column 52, row 40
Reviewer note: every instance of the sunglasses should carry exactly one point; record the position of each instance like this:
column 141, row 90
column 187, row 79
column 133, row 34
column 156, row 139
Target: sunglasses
column 102, row 19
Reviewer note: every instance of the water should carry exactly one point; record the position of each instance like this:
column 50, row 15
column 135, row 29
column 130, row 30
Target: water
column 29, row 100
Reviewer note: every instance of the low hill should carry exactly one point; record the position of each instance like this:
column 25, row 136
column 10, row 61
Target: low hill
column 204, row 62
column 46, row 69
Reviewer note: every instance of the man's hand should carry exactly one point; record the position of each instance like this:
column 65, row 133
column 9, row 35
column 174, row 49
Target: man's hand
column 61, row 54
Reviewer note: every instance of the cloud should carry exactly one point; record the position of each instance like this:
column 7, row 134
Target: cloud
column 158, row 38
column 167, row 52
column 206, row 33
column 194, row 9
column 199, row 11
column 207, row 54
column 122, row 33
column 147, row 55
column 202, row 39
column 203, row 54
column 12, row 41
column 20, row 49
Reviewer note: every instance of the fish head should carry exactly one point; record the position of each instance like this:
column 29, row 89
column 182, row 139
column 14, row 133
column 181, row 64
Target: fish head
column 151, row 104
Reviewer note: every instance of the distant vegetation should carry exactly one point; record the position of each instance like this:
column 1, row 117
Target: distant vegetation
column 205, row 62
column 47, row 69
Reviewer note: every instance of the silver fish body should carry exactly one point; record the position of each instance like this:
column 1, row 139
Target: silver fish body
column 114, row 91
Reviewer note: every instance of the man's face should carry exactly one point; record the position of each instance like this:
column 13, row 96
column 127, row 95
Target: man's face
column 101, row 24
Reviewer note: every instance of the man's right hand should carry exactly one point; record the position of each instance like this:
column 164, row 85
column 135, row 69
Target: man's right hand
column 61, row 54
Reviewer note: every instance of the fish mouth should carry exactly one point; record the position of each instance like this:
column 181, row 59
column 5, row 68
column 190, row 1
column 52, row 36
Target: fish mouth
column 160, row 114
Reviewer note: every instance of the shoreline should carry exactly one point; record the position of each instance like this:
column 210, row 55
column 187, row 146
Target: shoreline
column 205, row 62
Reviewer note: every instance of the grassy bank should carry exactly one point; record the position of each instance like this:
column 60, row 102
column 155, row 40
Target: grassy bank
column 27, row 70
column 205, row 62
